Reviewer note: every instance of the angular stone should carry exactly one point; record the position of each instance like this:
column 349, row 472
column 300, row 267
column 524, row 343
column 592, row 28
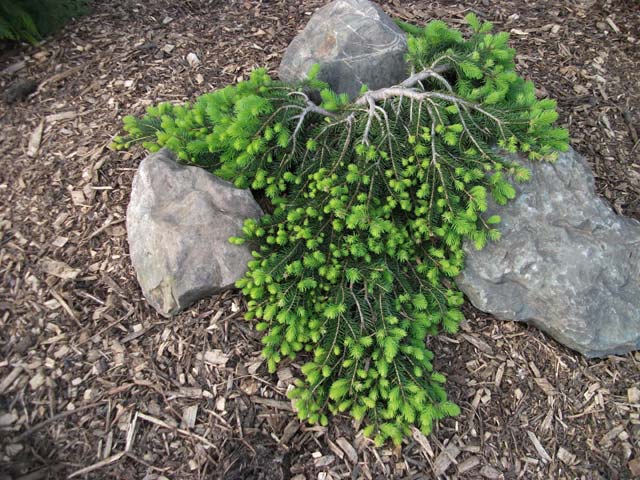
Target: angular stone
column 566, row 262
column 179, row 221
column 354, row 42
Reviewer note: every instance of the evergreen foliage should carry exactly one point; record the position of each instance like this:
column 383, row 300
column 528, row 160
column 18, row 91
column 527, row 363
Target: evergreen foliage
column 372, row 199
column 31, row 20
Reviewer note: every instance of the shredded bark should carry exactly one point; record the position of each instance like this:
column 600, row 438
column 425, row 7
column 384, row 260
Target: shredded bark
column 94, row 384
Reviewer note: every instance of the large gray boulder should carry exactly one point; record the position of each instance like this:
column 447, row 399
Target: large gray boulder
column 566, row 262
column 179, row 221
column 354, row 42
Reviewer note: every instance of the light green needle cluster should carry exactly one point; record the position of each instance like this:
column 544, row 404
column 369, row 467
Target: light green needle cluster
column 372, row 201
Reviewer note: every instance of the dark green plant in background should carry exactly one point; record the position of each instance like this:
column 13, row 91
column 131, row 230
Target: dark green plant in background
column 32, row 20
column 372, row 201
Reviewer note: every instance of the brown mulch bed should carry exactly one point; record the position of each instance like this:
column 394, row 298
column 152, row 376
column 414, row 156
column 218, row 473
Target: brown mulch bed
column 94, row 384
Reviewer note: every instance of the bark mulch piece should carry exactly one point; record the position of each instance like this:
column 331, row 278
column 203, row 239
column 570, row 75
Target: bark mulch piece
column 94, row 384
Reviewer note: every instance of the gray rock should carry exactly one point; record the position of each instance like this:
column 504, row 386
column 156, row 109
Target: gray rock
column 566, row 262
column 179, row 221
column 354, row 42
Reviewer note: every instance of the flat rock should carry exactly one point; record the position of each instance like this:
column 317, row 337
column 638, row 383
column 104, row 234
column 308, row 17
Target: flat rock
column 566, row 262
column 354, row 42
column 179, row 221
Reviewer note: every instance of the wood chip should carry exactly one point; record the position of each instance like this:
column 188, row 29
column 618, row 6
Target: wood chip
column 193, row 59
column 419, row 437
column 548, row 420
column 611, row 434
column 489, row 472
column 478, row 343
column 65, row 306
column 348, row 449
column 189, row 415
column 58, row 117
column 270, row 402
column 60, row 242
column 499, row 374
column 542, row 453
column 566, row 457
column 9, row 379
column 545, row 386
column 214, row 357
column 131, row 433
column 98, row 465
column 445, row 459
column 324, row 461
column 633, row 395
column 285, row 374
column 249, row 386
column 613, row 25
column 7, row 419
column 181, row 431
column 35, row 139
column 58, row 269
column 469, row 464
column 289, row 431
column 335, row 449
column 78, row 198
column 36, row 381
column 534, row 369
column 67, row 73
column 15, row 67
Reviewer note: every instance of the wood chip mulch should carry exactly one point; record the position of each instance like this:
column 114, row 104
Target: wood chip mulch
column 94, row 384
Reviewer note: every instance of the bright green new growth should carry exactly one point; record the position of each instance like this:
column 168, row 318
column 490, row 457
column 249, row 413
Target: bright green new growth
column 372, row 199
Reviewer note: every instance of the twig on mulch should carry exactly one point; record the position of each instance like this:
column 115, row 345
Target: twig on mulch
column 55, row 418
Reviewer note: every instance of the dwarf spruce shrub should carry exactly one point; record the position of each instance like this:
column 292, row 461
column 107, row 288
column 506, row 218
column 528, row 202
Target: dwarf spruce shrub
column 372, row 201
column 31, row 20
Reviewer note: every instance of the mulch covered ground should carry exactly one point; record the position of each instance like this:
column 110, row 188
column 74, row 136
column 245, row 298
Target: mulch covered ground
column 94, row 384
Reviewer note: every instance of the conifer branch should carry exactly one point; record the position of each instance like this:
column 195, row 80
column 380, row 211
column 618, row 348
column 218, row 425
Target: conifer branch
column 433, row 72
column 372, row 201
column 310, row 108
